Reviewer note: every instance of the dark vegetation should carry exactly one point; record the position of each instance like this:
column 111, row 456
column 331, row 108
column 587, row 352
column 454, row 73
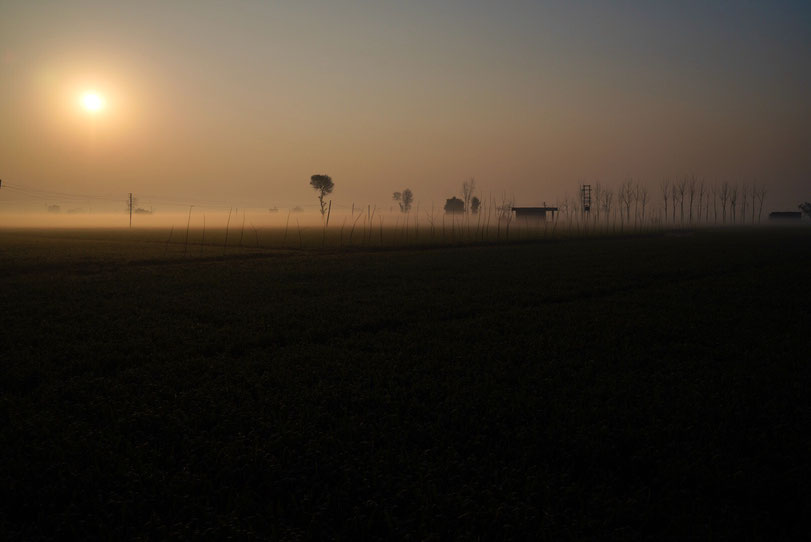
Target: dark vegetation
column 638, row 387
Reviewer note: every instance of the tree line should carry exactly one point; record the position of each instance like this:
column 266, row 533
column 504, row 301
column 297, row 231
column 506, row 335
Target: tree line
column 677, row 202
column 688, row 201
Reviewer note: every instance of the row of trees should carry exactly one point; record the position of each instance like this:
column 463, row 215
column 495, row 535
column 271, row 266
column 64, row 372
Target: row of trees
column 718, row 203
column 682, row 202
column 468, row 204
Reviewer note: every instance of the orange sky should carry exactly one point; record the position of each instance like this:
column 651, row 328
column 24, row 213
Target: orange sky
column 240, row 103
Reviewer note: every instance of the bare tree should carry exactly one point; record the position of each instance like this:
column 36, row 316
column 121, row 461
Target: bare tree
column 761, row 198
column 733, row 199
column 691, row 191
column 682, row 187
column 626, row 195
column 700, row 198
column 597, row 193
column 665, row 186
column 674, row 196
column 754, row 197
column 723, row 195
column 642, row 193
column 608, row 200
column 743, row 203
column 504, row 212
column 468, row 187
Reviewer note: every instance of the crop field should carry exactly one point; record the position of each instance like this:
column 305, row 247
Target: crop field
column 651, row 385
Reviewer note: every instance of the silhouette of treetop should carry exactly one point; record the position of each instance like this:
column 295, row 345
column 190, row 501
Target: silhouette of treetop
column 323, row 185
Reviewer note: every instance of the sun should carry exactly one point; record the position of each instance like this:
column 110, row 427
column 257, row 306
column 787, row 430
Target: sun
column 92, row 101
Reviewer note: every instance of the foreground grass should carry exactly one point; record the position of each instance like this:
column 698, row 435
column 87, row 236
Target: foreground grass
column 614, row 388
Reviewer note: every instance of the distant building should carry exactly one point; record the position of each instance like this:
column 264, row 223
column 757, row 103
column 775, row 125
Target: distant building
column 454, row 206
column 785, row 215
column 535, row 214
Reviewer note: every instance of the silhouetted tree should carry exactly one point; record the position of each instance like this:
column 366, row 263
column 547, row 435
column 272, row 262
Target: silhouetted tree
column 754, row 200
column 805, row 208
column 608, row 200
column 626, row 197
column 323, row 185
column 597, row 195
column 404, row 199
column 761, row 196
column 733, row 200
column 467, row 192
column 723, row 195
column 454, row 206
column 674, row 198
column 642, row 193
column 475, row 203
column 701, row 190
column 504, row 212
column 691, row 190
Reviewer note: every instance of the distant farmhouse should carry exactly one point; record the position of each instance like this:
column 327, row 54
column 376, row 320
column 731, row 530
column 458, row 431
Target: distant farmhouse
column 534, row 214
column 781, row 216
column 454, row 206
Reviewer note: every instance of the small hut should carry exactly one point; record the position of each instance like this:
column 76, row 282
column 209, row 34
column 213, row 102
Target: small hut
column 781, row 216
column 454, row 206
column 534, row 214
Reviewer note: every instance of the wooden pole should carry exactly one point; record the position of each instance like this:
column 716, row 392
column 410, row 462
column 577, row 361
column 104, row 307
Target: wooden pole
column 188, row 223
column 227, row 224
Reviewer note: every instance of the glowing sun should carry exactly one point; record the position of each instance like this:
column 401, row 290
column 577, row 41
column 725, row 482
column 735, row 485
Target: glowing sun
column 92, row 101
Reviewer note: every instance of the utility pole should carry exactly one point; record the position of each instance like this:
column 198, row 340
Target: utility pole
column 188, row 222
column 130, row 206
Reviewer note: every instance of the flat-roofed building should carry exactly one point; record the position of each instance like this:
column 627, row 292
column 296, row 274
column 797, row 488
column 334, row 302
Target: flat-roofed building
column 785, row 215
column 534, row 214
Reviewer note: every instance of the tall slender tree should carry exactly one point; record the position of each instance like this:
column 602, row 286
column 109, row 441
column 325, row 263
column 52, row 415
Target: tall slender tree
column 323, row 186
column 468, row 187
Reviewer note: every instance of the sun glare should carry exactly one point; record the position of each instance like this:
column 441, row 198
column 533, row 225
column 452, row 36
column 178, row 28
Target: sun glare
column 92, row 102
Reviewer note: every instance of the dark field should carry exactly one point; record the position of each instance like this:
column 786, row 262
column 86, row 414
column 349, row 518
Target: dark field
column 647, row 387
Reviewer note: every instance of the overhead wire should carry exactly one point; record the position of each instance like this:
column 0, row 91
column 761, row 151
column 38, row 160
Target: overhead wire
column 55, row 195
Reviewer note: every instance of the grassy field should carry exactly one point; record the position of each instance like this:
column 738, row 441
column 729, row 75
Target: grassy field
column 633, row 387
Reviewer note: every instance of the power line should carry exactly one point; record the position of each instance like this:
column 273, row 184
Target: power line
column 55, row 195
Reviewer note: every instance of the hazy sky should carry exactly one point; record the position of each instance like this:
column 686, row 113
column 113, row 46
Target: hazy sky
column 243, row 101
